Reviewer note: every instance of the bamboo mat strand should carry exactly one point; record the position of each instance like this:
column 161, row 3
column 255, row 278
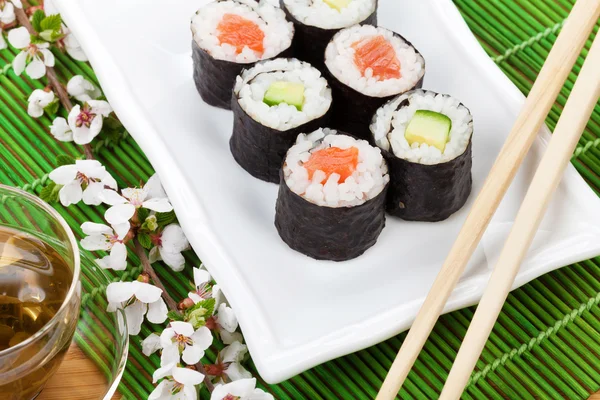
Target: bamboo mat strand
column 546, row 342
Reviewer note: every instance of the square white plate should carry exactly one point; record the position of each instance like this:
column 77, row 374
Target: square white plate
column 296, row 312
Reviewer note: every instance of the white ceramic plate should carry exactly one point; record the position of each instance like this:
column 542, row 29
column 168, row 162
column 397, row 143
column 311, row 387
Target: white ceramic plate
column 296, row 312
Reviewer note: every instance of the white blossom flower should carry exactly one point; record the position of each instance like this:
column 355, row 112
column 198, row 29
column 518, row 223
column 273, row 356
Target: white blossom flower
column 225, row 323
column 181, row 339
column 38, row 100
column 124, row 205
column 168, row 246
column 60, row 130
column 33, row 58
column 72, row 45
column 82, row 89
column 7, row 10
column 203, row 290
column 243, row 389
column 103, row 237
column 228, row 366
column 179, row 383
column 84, row 173
column 151, row 344
column 86, row 122
column 139, row 299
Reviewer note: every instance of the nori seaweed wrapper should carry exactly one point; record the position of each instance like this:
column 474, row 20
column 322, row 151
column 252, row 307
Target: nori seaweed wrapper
column 428, row 193
column 353, row 111
column 327, row 233
column 260, row 149
column 309, row 41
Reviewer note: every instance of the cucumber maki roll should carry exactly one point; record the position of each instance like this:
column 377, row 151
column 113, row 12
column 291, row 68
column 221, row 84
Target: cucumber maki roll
column 272, row 103
column 316, row 21
column 231, row 35
column 366, row 67
column 426, row 140
column 331, row 202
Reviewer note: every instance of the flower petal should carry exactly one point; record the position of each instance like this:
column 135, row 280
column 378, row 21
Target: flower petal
column 91, row 168
column 17, row 3
column 119, row 214
column 162, row 372
column 36, row 68
column 72, row 117
column 122, row 230
column 187, row 376
column 108, row 180
column 202, row 337
column 19, row 37
column 236, row 371
column 112, row 198
column 100, row 107
column 146, row 292
column 182, row 328
column 201, row 276
column 48, row 57
column 2, row 42
column 227, row 318
column 91, row 194
column 64, row 174
column 95, row 242
column 134, row 314
column 229, row 338
column 173, row 260
column 118, row 292
column 71, row 193
column 118, row 257
column 34, row 110
column 241, row 388
column 60, row 130
column 192, row 354
column 154, row 188
column 158, row 205
column 154, row 255
column 170, row 354
column 19, row 62
column 235, row 352
column 7, row 14
column 92, row 228
column 151, row 344
column 159, row 392
column 174, row 240
column 96, row 126
column 157, row 312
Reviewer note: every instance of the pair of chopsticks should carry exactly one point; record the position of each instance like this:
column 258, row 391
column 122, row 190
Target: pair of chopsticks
column 571, row 124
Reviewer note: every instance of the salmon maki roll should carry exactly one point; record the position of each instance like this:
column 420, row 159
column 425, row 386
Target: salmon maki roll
column 366, row 67
column 231, row 35
column 331, row 202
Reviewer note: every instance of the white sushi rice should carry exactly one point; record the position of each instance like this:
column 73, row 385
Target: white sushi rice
column 367, row 181
column 389, row 126
column 270, row 19
column 251, row 86
column 339, row 59
column 318, row 13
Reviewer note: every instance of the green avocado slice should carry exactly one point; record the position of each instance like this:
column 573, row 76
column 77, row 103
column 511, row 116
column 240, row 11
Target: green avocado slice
column 429, row 127
column 291, row 93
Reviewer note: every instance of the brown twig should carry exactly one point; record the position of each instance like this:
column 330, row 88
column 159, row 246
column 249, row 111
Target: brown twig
column 58, row 87
column 171, row 303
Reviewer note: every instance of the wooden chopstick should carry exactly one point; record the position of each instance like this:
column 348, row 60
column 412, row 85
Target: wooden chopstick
column 571, row 124
column 557, row 67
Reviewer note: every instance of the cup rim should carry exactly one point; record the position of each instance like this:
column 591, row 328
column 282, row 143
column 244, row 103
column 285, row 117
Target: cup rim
column 73, row 289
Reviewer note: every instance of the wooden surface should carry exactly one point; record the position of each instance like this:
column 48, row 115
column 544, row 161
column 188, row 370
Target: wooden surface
column 77, row 379
column 541, row 98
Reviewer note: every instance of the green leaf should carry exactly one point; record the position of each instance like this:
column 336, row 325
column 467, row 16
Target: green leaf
column 56, row 35
column 112, row 123
column 50, row 192
column 174, row 316
column 51, row 23
column 145, row 240
column 52, row 108
column 164, row 219
column 37, row 40
column 46, row 35
column 63, row 159
column 142, row 214
column 36, row 20
column 206, row 308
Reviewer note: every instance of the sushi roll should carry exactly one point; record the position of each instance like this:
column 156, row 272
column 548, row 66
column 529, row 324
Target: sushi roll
column 331, row 202
column 231, row 35
column 272, row 103
column 426, row 139
column 366, row 67
column 316, row 21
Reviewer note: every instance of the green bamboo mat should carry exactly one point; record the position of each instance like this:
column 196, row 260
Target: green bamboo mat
column 546, row 343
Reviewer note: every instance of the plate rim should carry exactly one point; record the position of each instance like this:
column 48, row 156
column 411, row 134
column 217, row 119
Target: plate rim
column 277, row 364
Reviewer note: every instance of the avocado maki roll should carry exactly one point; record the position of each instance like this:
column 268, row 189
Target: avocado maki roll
column 366, row 67
column 272, row 103
column 426, row 140
column 331, row 202
column 316, row 21
column 231, row 35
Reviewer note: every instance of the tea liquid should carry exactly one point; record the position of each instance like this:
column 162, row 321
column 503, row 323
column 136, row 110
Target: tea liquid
column 34, row 282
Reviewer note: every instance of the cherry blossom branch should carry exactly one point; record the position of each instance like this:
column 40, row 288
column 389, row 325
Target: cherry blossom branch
column 59, row 89
column 171, row 303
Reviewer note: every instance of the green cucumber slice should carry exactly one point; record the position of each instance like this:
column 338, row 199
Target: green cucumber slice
column 429, row 127
column 291, row 93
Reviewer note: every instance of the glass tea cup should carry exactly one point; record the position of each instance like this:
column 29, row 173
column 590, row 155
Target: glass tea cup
column 26, row 367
